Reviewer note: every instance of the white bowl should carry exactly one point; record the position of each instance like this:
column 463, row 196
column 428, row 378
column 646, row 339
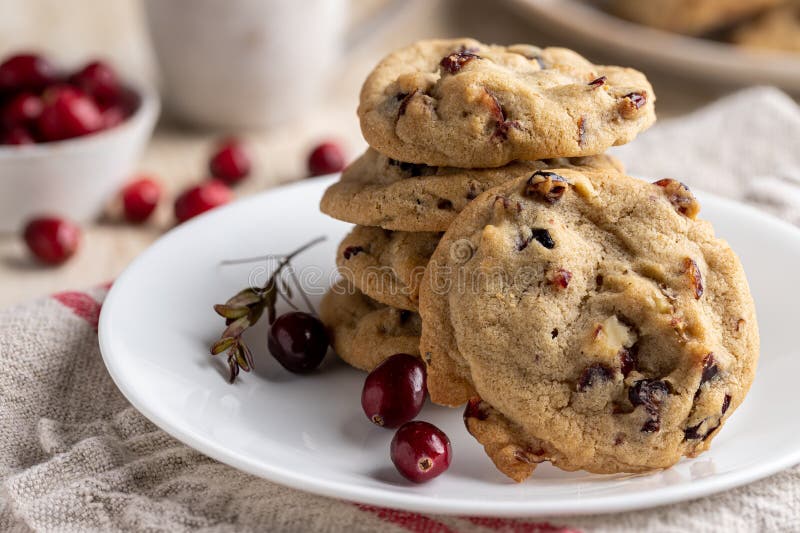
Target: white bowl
column 76, row 177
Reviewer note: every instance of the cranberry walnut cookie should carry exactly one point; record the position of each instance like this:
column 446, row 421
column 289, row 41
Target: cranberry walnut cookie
column 590, row 320
column 777, row 29
column 363, row 332
column 692, row 17
column 378, row 191
column 386, row 265
column 466, row 104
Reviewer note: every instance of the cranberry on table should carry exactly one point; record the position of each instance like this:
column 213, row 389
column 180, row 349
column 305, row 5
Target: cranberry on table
column 52, row 240
column 326, row 158
column 23, row 110
column 231, row 162
column 394, row 392
column 201, row 198
column 99, row 80
column 298, row 341
column 420, row 451
column 140, row 198
column 68, row 113
column 26, row 72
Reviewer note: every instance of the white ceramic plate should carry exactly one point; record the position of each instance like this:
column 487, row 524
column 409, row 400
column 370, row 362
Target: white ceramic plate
column 310, row 433
column 702, row 58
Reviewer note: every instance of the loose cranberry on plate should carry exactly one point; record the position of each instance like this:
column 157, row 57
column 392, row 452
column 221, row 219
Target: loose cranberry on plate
column 394, row 392
column 201, row 198
column 68, row 113
column 52, row 240
column 326, row 158
column 231, row 162
column 99, row 80
column 26, row 72
column 298, row 341
column 420, row 451
column 140, row 198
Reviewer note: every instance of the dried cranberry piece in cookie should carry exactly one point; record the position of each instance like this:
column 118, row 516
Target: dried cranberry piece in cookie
column 631, row 104
column 560, row 278
column 695, row 277
column 352, row 251
column 501, row 125
column 680, row 197
column 649, row 393
column 710, row 368
column 475, row 409
column 594, row 374
column 628, row 359
column 598, row 82
column 404, row 99
column 542, row 236
column 547, row 186
column 456, row 61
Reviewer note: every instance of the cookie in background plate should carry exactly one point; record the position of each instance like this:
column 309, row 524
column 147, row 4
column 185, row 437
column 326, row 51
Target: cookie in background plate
column 692, row 17
column 363, row 332
column 466, row 104
column 378, row 191
column 590, row 320
column 777, row 29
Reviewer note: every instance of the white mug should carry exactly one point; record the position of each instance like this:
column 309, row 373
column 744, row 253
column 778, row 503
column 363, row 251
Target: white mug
column 244, row 63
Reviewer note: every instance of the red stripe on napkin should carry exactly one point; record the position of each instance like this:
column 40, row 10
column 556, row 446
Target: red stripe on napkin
column 81, row 304
column 515, row 526
column 411, row 521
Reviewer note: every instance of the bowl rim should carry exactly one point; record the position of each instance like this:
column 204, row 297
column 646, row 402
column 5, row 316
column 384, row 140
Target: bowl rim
column 146, row 113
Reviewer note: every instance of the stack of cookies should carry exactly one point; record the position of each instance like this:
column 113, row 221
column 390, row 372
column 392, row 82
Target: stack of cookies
column 585, row 318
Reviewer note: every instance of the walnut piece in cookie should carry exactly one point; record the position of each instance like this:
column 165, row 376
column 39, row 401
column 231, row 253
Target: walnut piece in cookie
column 603, row 328
column 463, row 103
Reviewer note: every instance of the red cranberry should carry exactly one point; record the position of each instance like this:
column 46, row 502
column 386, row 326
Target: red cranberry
column 52, row 240
column 22, row 111
column 98, row 80
column 17, row 136
column 326, row 159
column 26, row 72
column 68, row 113
column 420, row 451
column 201, row 198
column 113, row 116
column 298, row 341
column 394, row 392
column 140, row 198
column 230, row 162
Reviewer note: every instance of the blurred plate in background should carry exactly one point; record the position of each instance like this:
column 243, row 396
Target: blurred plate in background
column 703, row 58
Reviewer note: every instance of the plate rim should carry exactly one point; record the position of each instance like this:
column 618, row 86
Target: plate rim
column 668, row 49
column 408, row 501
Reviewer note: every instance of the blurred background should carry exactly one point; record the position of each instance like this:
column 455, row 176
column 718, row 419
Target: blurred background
column 284, row 79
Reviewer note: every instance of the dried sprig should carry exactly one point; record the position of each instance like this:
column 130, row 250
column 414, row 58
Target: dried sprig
column 246, row 307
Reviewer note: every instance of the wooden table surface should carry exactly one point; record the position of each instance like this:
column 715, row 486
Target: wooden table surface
column 75, row 30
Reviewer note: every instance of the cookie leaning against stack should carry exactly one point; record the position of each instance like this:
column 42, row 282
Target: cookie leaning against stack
column 591, row 336
column 600, row 327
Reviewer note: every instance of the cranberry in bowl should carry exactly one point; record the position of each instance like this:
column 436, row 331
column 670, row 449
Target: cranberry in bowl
column 69, row 137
